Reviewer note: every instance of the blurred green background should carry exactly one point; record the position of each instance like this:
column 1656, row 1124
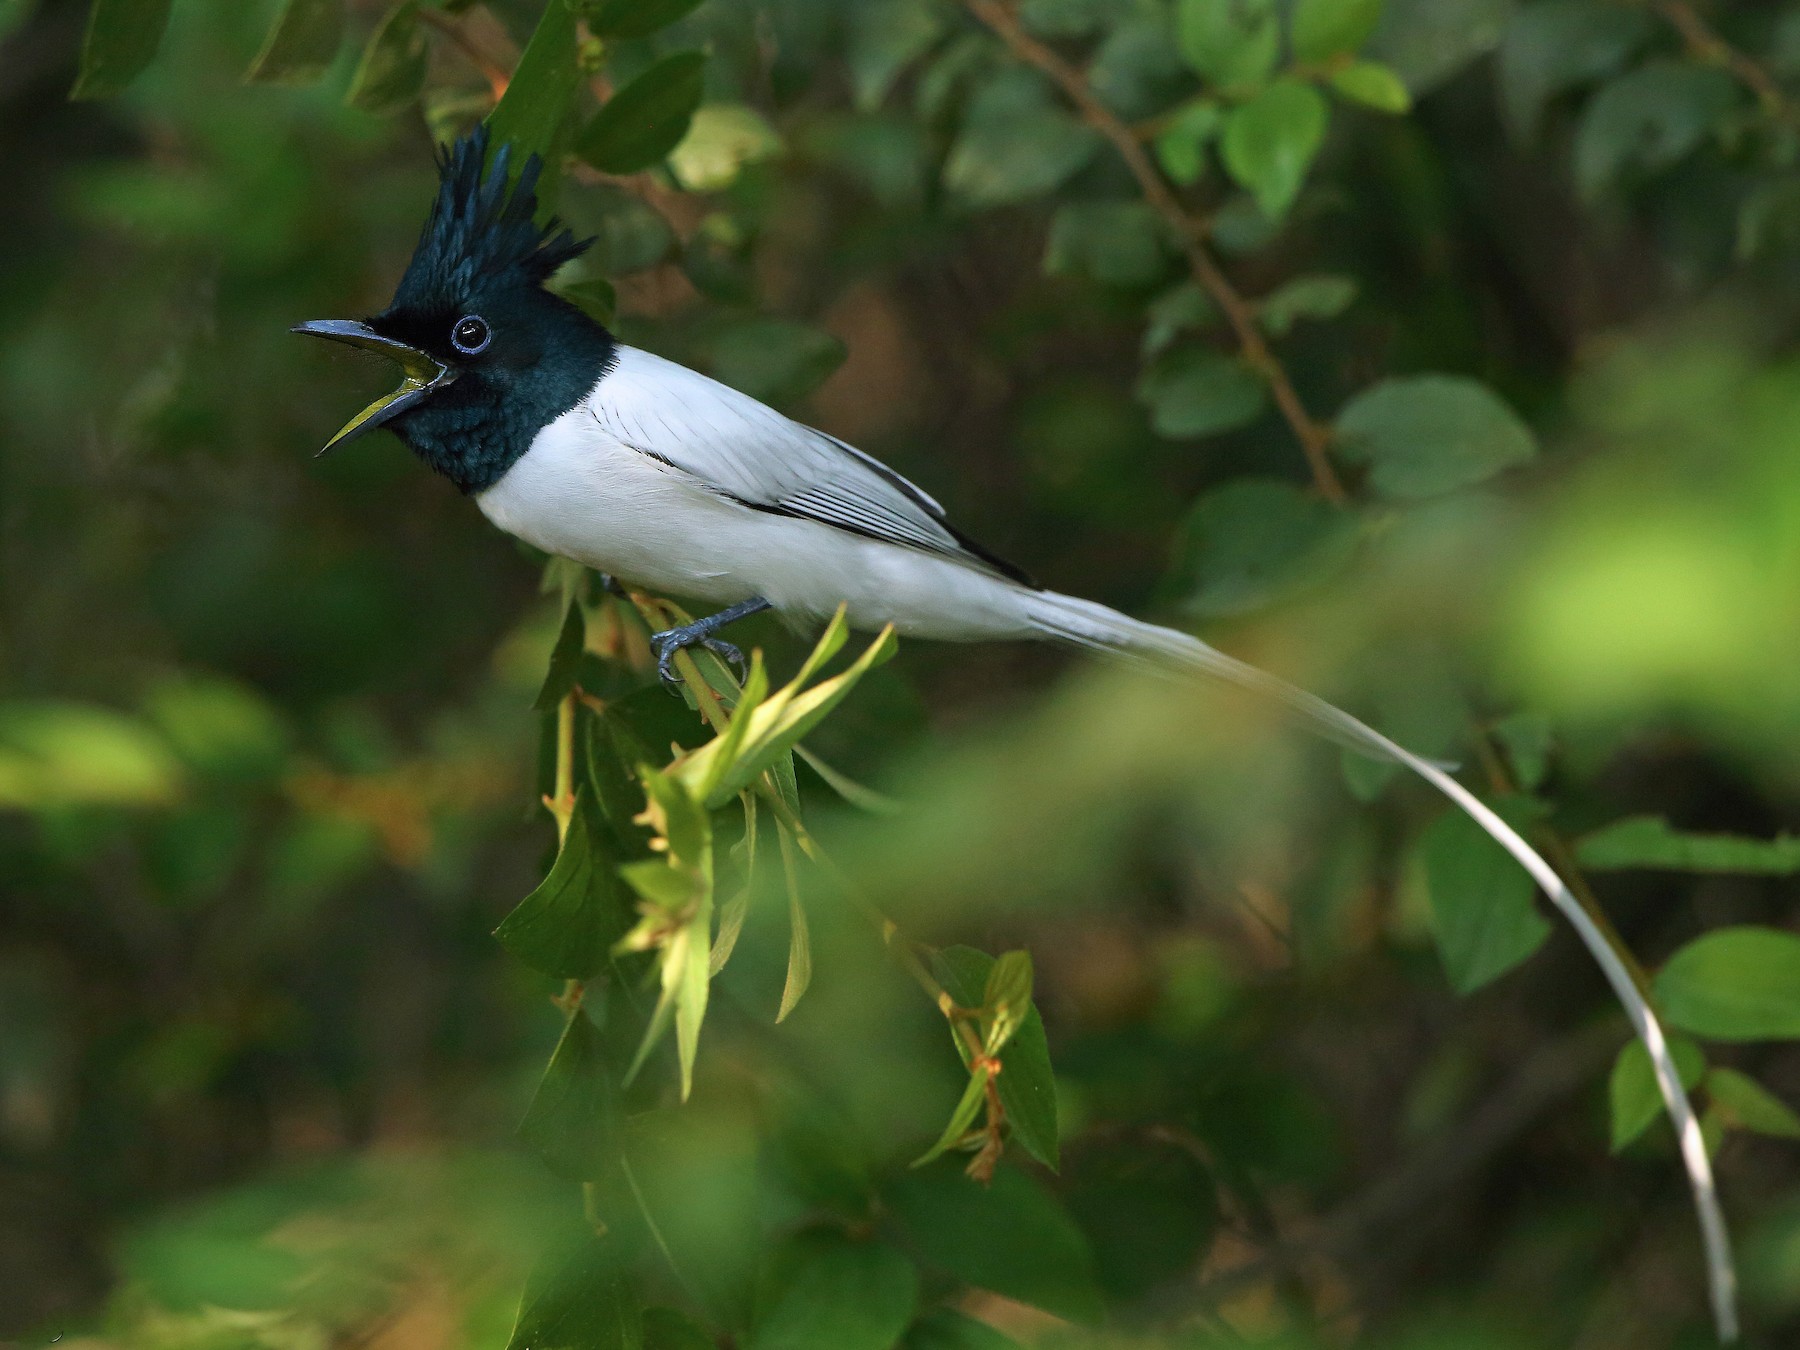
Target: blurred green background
column 269, row 768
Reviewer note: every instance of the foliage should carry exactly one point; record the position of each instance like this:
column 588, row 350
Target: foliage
column 1434, row 344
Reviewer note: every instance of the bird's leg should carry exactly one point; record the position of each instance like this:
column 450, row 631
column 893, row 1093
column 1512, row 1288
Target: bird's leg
column 699, row 633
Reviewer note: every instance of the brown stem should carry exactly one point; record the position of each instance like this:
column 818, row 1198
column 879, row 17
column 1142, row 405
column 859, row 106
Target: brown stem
column 1705, row 44
column 1314, row 436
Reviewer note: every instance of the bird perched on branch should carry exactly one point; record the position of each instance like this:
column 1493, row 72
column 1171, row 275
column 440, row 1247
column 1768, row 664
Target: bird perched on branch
column 657, row 475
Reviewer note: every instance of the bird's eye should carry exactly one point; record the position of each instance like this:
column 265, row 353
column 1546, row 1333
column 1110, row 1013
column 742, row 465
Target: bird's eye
column 470, row 335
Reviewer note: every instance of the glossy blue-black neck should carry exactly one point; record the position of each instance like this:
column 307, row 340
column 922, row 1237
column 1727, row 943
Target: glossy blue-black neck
column 480, row 265
column 546, row 356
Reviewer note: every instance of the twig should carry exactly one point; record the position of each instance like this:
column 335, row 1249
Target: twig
column 1705, row 44
column 1314, row 436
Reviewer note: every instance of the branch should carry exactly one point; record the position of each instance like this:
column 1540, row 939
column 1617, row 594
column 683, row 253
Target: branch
column 1314, row 436
column 1705, row 44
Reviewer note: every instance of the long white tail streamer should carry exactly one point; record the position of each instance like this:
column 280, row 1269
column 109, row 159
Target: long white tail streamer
column 1094, row 626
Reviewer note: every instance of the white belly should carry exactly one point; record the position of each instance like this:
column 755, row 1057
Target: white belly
column 587, row 497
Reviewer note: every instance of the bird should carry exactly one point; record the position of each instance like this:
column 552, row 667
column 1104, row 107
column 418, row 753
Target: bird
column 672, row 482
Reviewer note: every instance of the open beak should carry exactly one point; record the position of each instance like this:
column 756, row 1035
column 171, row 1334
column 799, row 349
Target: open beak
column 423, row 373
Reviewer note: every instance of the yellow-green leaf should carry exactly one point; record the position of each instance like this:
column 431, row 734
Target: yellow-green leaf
column 302, row 44
column 1373, row 85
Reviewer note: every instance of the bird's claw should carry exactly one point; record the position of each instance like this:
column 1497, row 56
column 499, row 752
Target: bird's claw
column 667, row 645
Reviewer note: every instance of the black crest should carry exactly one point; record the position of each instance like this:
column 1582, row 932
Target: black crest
column 479, row 229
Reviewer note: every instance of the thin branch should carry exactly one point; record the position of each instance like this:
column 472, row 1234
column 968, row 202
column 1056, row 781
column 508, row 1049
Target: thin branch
column 1706, row 45
column 1314, row 436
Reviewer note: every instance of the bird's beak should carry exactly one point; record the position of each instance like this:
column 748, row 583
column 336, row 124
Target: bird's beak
column 423, row 372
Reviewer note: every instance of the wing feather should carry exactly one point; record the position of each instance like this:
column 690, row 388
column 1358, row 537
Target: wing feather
column 742, row 449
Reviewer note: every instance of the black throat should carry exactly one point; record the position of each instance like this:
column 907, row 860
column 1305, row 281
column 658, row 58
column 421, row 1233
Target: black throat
column 477, row 428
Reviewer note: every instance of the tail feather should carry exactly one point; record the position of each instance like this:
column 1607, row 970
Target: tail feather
column 1094, row 626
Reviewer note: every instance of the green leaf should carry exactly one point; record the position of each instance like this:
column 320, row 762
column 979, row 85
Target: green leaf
column 1648, row 121
column 1527, row 739
column 694, row 985
column 1551, row 48
column 302, row 44
column 1194, row 391
column 1027, row 1082
column 1229, row 42
column 1632, row 1092
column 962, row 1119
column 584, row 1301
column 885, row 37
column 1423, row 435
column 1269, row 143
column 1182, row 308
column 58, row 754
column 721, row 140
column 824, row 1291
column 799, row 967
column 1138, row 70
column 1428, row 41
column 536, row 104
column 1373, row 85
column 947, row 1329
column 1181, row 144
column 573, row 1122
column 565, row 660
column 1006, row 999
column 1483, row 913
column 122, row 38
column 1016, row 142
column 219, row 728
column 392, row 70
column 780, row 721
column 1308, row 297
column 568, row 925
column 1115, row 243
column 1255, row 541
column 1748, row 1105
column 1648, row 841
column 775, row 360
column 633, row 18
column 1734, row 984
column 1010, row 1237
column 646, row 119
column 1326, row 28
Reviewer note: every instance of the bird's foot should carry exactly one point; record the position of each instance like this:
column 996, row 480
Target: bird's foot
column 670, row 642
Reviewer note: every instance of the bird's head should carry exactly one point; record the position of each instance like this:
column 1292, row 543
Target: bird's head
column 489, row 356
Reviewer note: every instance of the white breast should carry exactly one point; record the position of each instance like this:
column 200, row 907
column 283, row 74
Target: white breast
column 583, row 493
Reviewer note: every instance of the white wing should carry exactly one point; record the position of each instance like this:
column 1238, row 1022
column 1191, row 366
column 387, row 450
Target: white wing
column 745, row 450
